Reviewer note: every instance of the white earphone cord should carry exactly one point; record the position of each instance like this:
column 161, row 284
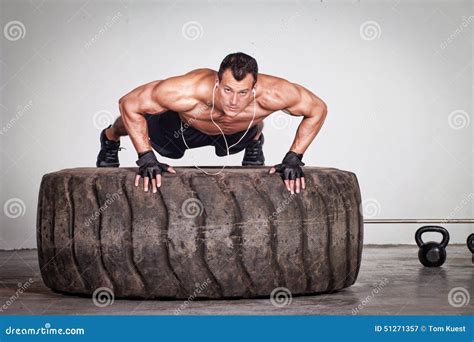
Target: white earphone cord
column 223, row 135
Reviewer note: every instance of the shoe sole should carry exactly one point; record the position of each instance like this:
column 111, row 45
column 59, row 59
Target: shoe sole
column 253, row 164
column 107, row 165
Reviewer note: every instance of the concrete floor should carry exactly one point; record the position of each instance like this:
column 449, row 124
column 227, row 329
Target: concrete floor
column 391, row 282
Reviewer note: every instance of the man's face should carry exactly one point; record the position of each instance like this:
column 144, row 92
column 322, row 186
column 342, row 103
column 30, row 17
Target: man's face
column 235, row 95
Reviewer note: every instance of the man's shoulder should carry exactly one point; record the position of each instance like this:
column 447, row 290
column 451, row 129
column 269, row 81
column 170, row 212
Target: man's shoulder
column 273, row 86
column 191, row 81
column 201, row 83
column 273, row 91
column 201, row 72
column 185, row 91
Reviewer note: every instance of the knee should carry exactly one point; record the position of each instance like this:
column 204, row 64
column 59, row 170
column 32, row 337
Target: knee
column 118, row 127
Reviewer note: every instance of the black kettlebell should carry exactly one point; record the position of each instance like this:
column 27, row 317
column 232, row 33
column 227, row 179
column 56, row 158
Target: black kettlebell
column 470, row 245
column 432, row 254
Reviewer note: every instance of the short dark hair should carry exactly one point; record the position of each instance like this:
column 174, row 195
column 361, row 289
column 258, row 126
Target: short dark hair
column 240, row 64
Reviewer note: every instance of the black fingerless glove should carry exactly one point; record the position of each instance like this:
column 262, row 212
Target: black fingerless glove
column 290, row 167
column 149, row 166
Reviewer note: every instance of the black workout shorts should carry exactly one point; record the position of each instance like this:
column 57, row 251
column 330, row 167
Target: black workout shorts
column 165, row 136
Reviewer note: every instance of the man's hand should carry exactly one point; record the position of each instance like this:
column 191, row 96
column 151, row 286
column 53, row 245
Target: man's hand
column 291, row 172
column 150, row 169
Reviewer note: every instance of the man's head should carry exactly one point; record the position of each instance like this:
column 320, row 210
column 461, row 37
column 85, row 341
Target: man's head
column 237, row 76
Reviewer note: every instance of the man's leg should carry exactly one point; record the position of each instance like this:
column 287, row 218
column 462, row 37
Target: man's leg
column 110, row 144
column 253, row 151
column 259, row 131
column 117, row 130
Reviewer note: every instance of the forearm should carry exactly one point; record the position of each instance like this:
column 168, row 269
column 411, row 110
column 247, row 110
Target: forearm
column 137, row 129
column 308, row 130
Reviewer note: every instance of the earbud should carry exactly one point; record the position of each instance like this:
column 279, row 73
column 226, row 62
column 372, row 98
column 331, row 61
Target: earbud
column 253, row 91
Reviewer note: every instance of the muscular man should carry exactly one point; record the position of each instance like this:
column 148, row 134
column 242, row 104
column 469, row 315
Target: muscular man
column 177, row 113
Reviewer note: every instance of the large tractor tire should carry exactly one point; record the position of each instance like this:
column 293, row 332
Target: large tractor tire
column 236, row 234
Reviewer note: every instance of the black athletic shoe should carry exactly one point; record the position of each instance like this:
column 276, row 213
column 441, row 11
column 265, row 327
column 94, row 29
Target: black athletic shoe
column 108, row 155
column 254, row 153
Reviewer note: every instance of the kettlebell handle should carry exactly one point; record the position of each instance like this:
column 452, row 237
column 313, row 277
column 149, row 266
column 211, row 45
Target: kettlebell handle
column 436, row 229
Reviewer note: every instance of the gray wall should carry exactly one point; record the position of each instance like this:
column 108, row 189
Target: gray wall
column 396, row 75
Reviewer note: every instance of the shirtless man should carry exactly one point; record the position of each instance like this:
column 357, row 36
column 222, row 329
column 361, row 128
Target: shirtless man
column 174, row 114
